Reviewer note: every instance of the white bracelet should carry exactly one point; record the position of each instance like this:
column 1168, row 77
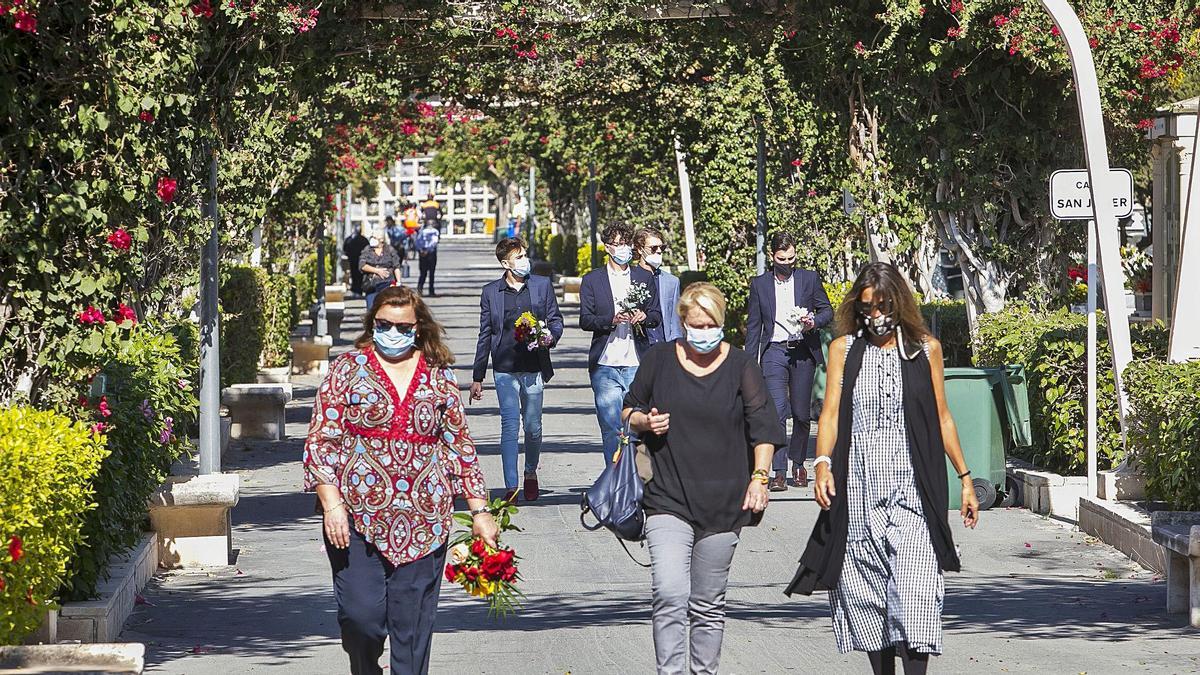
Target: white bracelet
column 823, row 458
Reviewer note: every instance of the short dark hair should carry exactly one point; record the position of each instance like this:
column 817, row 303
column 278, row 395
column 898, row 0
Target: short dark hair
column 614, row 230
column 507, row 246
column 639, row 239
column 782, row 241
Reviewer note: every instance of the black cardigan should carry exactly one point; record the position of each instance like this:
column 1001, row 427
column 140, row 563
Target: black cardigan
column 821, row 565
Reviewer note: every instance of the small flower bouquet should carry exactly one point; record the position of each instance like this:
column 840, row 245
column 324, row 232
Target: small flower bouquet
column 483, row 571
column 635, row 299
column 532, row 332
column 800, row 320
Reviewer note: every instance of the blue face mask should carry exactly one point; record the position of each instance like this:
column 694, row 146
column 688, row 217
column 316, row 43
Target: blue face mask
column 392, row 343
column 621, row 254
column 704, row 340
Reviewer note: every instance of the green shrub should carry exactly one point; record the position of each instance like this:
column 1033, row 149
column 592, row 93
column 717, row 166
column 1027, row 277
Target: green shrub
column 583, row 258
column 554, row 252
column 1053, row 349
column 47, row 465
column 948, row 321
column 150, row 399
column 836, row 291
column 1164, row 429
column 306, row 278
column 540, row 246
column 243, row 323
column 570, row 248
column 281, row 314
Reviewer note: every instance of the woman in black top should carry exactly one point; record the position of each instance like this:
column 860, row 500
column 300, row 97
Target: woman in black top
column 710, row 426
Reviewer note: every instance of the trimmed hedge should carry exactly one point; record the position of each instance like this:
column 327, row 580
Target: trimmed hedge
column 150, row 399
column 281, row 314
column 1052, row 346
column 306, row 278
column 583, row 258
column 47, row 465
column 1164, row 429
column 243, row 324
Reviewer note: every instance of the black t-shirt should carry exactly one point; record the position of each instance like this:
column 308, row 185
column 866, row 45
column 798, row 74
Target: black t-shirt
column 702, row 465
column 512, row 356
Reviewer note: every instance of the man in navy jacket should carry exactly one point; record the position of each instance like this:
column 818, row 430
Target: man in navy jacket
column 619, row 336
column 520, row 373
column 649, row 245
column 788, row 354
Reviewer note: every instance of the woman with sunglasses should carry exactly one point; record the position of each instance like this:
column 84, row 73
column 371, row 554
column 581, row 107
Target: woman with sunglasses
column 882, row 540
column 387, row 452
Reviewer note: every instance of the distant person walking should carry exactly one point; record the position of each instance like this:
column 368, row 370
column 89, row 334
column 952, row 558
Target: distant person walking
column 427, row 255
column 882, row 539
column 520, row 369
column 650, row 246
column 354, row 246
column 380, row 265
column 703, row 410
column 387, row 452
column 619, row 320
column 786, row 310
column 431, row 211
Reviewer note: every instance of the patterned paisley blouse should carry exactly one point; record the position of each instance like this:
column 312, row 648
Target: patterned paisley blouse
column 398, row 464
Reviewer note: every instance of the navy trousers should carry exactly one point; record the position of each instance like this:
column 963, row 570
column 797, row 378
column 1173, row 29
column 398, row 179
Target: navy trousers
column 789, row 375
column 378, row 600
column 427, row 264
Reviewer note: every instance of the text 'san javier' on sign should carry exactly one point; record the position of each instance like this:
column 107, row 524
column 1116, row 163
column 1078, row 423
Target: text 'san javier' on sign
column 1071, row 194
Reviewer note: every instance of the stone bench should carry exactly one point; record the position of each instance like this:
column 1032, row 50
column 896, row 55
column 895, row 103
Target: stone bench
column 1178, row 532
column 310, row 355
column 72, row 658
column 334, row 313
column 257, row 410
column 570, row 288
column 335, row 293
column 190, row 517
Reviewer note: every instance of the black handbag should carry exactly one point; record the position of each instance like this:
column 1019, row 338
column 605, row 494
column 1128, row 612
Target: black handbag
column 615, row 499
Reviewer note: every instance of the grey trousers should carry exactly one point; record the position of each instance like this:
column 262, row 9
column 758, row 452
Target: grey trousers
column 689, row 572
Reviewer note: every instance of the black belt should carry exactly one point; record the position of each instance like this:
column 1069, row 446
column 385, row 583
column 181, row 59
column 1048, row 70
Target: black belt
column 791, row 344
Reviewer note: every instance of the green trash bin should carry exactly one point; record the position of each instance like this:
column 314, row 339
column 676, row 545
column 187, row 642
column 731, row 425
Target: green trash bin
column 990, row 407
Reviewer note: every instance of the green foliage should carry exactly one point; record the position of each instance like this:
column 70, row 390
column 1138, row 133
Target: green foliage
column 280, row 316
column 583, row 258
column 243, row 322
column 47, row 464
column 151, row 398
column 554, row 253
column 306, row 279
column 541, row 242
column 836, row 291
column 948, row 321
column 1053, row 349
column 1164, row 429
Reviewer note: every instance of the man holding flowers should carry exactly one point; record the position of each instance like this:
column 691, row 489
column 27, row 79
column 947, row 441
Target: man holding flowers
column 519, row 323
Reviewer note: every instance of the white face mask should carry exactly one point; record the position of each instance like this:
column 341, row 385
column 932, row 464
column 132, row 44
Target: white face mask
column 373, row 241
column 704, row 340
column 621, row 254
column 520, row 267
column 654, row 260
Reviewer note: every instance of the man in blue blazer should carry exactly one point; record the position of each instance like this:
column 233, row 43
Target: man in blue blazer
column 649, row 245
column 619, row 336
column 520, row 373
column 788, row 353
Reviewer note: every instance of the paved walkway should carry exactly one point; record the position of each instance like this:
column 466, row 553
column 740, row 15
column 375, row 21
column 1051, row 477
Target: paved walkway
column 1034, row 595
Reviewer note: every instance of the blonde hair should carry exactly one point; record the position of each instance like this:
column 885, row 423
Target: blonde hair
column 706, row 297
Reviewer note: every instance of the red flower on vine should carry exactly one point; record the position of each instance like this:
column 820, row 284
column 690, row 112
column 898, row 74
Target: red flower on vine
column 103, row 407
column 999, row 20
column 16, row 548
column 797, row 162
column 24, row 21
column 166, row 189
column 120, row 239
column 125, row 313
column 293, row 118
column 957, row 73
column 1145, row 124
column 1093, row 43
column 956, row 6
column 1055, row 31
column 954, row 32
column 859, row 48
column 99, row 428
column 202, row 8
column 146, row 116
column 91, row 316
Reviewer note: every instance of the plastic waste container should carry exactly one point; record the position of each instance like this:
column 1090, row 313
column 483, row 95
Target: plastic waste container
column 990, row 407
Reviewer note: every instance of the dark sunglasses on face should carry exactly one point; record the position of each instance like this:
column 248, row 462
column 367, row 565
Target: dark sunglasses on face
column 656, row 249
column 868, row 309
column 385, row 325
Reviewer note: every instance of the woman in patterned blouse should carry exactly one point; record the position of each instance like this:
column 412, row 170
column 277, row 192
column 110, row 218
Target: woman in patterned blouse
column 388, row 450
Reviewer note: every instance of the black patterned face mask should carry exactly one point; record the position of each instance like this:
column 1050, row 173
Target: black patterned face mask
column 880, row 326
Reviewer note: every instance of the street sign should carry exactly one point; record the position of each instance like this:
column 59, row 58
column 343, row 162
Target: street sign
column 849, row 205
column 1071, row 195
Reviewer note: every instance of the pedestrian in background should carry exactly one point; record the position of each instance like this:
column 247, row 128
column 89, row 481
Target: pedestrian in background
column 789, row 350
column 380, row 265
column 882, row 539
column 650, row 246
column 354, row 246
column 431, row 212
column 519, row 373
column 427, row 255
column 620, row 333
column 703, row 410
column 387, row 452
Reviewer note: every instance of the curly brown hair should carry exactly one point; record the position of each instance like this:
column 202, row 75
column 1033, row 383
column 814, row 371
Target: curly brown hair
column 430, row 334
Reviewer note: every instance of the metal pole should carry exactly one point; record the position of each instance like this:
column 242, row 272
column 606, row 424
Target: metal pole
column 530, row 212
column 593, row 212
column 322, row 325
column 685, row 196
column 760, row 238
column 1185, row 324
column 1095, row 147
column 210, row 339
column 1092, row 362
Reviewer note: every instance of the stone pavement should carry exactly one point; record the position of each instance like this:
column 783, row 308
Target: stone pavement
column 1035, row 595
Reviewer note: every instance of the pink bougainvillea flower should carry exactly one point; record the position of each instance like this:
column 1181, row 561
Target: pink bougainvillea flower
column 292, row 118
column 1055, row 31
column 543, row 140
column 956, row 6
column 1145, row 124
column 999, row 20
column 168, row 433
column 99, row 428
column 1093, row 43
column 166, row 189
column 859, row 48
column 409, row 128
column 812, row 193
column 16, row 548
column 954, row 32
column 125, row 313
column 797, row 162
column 146, row 116
column 91, row 316
column 120, row 239
column 24, row 21
column 957, row 73
column 103, row 408
column 202, row 8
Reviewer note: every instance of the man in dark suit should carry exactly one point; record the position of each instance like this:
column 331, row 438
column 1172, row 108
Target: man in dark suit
column 520, row 373
column 619, row 334
column 788, row 347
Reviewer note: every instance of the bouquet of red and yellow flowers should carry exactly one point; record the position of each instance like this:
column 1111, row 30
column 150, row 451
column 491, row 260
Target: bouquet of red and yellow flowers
column 483, row 571
column 532, row 332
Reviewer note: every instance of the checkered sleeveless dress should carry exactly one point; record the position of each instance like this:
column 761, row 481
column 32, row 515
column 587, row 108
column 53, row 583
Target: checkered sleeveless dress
column 891, row 586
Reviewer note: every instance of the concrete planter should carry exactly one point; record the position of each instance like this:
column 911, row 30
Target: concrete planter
column 69, row 658
column 257, row 410
column 310, row 356
column 190, row 517
column 335, row 293
column 1126, row 527
column 280, row 375
column 101, row 620
column 570, row 288
column 1049, row 493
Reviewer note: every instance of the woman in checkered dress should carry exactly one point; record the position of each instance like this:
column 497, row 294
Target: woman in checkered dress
column 882, row 540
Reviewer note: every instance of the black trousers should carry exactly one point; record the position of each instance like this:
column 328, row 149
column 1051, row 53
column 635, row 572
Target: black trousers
column 378, row 600
column 428, row 265
column 356, row 277
column 789, row 375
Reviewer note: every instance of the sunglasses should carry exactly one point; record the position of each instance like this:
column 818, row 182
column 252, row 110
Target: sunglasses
column 657, row 249
column 385, row 325
column 868, row 309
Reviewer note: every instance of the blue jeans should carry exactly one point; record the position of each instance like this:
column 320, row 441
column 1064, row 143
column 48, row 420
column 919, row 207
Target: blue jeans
column 609, row 386
column 520, row 396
